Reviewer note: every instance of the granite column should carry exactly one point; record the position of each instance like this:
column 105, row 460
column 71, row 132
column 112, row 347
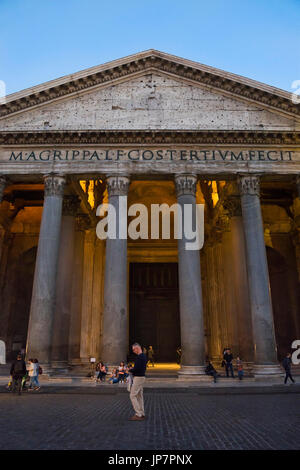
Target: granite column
column 265, row 350
column 190, row 289
column 115, row 320
column 39, row 339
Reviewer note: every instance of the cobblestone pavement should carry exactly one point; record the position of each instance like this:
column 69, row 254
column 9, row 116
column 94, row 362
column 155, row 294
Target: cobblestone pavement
column 176, row 420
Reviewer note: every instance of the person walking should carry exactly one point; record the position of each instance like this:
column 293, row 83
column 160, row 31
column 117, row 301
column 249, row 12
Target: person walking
column 151, row 355
column 287, row 362
column 228, row 363
column 33, row 374
column 178, row 354
column 38, row 372
column 18, row 371
column 136, row 389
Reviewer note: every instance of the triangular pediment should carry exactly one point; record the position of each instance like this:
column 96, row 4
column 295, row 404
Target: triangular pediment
column 150, row 90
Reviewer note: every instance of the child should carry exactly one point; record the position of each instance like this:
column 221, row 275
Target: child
column 239, row 364
column 122, row 372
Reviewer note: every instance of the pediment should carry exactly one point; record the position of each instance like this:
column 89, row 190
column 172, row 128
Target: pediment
column 150, row 91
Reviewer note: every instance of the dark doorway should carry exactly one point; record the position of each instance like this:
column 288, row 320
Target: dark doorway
column 154, row 308
column 20, row 306
column 282, row 308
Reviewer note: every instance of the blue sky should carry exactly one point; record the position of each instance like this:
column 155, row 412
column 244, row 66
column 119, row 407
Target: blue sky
column 45, row 39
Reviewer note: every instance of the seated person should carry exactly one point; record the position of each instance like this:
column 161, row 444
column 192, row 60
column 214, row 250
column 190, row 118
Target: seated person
column 210, row 370
column 126, row 372
column 114, row 377
column 122, row 372
column 102, row 371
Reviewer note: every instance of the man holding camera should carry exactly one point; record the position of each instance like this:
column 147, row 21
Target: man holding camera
column 136, row 390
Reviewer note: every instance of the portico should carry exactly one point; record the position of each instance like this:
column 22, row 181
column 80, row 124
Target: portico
column 198, row 140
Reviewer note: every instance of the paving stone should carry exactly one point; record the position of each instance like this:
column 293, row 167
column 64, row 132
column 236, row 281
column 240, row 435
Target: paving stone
column 181, row 420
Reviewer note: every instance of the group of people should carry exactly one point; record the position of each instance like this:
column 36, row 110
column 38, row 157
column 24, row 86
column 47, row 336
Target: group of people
column 22, row 372
column 118, row 375
column 227, row 362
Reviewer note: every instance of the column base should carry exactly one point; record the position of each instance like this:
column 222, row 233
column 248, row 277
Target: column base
column 267, row 372
column 80, row 366
column 192, row 373
column 61, row 366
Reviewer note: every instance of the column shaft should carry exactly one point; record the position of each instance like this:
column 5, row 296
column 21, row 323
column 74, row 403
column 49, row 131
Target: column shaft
column 97, row 305
column 258, row 277
column 76, row 301
column 236, row 266
column 115, row 320
column 87, row 297
column 60, row 346
column 190, row 289
column 43, row 294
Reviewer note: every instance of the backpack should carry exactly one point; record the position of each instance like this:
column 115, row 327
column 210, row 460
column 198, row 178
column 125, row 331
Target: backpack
column 40, row 370
column 19, row 367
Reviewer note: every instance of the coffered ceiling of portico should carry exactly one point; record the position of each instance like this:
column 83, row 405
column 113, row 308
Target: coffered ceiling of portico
column 150, row 90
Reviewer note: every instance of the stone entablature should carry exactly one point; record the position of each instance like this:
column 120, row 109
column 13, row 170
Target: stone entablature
column 208, row 160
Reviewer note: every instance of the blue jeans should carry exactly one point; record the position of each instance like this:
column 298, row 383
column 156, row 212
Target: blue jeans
column 34, row 381
column 114, row 380
column 228, row 366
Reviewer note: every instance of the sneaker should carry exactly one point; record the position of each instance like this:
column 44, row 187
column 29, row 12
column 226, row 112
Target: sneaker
column 37, row 388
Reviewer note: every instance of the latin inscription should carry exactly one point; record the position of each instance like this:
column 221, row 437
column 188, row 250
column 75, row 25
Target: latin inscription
column 150, row 155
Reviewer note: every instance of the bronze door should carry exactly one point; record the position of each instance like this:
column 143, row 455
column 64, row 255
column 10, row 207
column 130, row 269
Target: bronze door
column 154, row 308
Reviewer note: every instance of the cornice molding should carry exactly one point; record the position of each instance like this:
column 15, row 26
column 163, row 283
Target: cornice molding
column 222, row 81
column 144, row 137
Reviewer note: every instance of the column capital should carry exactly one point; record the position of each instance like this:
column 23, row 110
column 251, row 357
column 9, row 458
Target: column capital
column 117, row 185
column 249, row 185
column 70, row 205
column 54, row 185
column 185, row 184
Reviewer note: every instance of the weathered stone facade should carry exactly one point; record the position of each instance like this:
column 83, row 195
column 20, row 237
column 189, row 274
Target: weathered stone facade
column 159, row 129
